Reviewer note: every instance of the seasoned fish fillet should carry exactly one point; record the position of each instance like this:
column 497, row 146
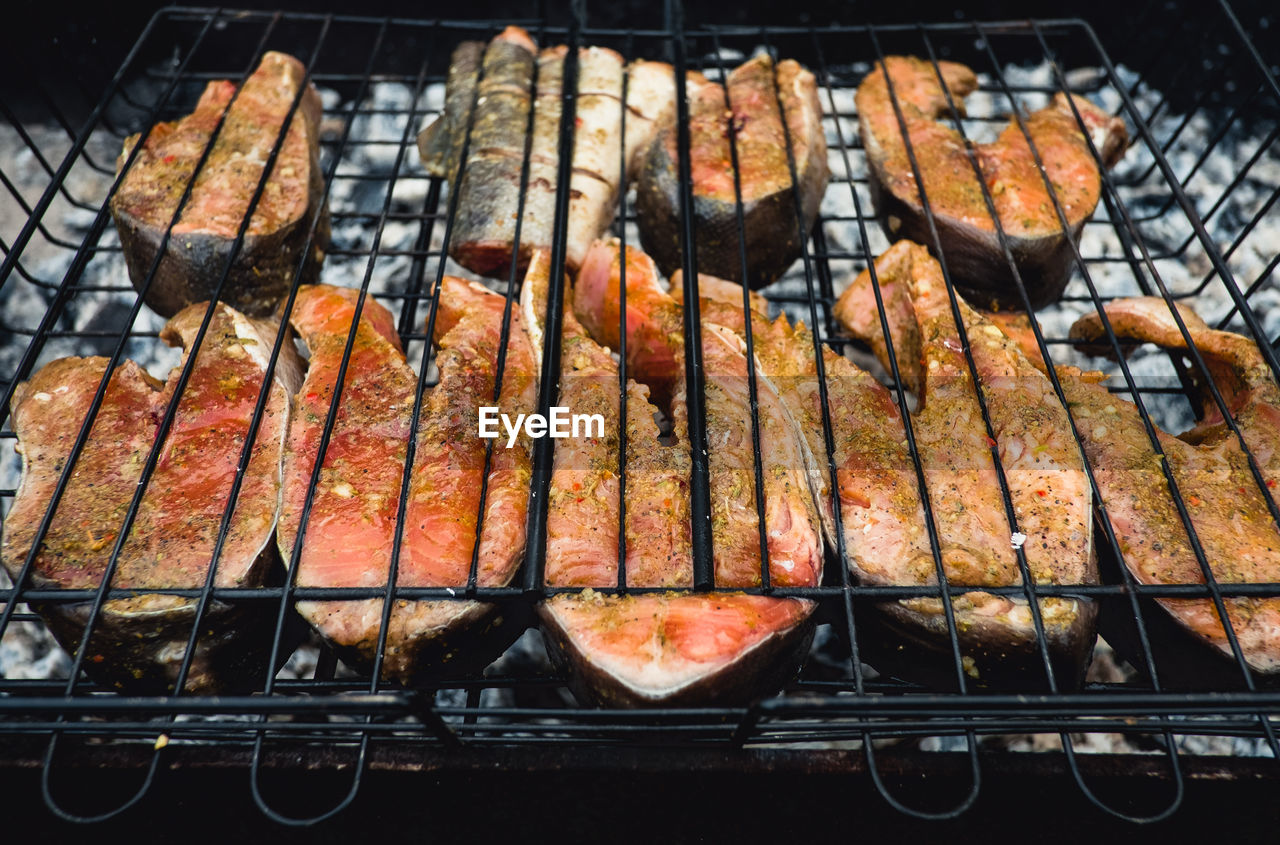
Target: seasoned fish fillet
column 352, row 522
column 1228, row 510
column 772, row 233
column 669, row 648
column 655, row 343
column 1042, row 464
column 138, row 643
column 1041, row 250
column 200, row 244
column 883, row 522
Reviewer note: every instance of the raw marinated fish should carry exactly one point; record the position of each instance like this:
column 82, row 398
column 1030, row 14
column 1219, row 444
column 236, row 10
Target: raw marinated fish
column 883, row 522
column 352, row 522
column 773, row 236
column 201, row 242
column 1227, row 507
column 1040, row 247
column 677, row 650
column 138, row 643
column 672, row 649
column 1043, row 466
column 655, row 355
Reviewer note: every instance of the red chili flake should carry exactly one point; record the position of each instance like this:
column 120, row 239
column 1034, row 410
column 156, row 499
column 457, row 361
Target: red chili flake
column 313, row 395
column 990, row 443
column 1041, row 493
column 1195, row 500
column 577, row 485
column 170, row 159
column 1271, row 483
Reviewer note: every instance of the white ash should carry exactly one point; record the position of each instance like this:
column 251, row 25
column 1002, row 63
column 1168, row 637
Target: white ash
column 26, row 649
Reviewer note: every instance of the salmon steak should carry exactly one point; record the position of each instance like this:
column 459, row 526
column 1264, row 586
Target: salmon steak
column 655, row 648
column 1228, row 509
column 723, row 646
column 352, row 527
column 774, row 119
column 1042, row 249
column 1043, row 468
column 278, row 242
column 138, row 643
column 880, row 512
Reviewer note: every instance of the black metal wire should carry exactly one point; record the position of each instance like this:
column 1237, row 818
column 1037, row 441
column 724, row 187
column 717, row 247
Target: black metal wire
column 851, row 706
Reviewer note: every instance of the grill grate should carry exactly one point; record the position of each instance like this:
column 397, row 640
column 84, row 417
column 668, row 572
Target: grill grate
column 1163, row 228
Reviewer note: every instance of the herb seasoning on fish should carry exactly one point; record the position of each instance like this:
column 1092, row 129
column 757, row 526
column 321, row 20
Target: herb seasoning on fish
column 975, row 258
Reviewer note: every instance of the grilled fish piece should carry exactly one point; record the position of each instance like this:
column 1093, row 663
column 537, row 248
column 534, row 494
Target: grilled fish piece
column 597, row 175
column 138, row 643
column 489, row 186
column 351, row 528
column 654, row 344
column 582, row 517
column 484, row 237
column 1043, row 466
column 651, row 105
column 1235, row 365
column 771, row 231
column 1040, row 247
column 676, row 649
column 882, row 518
column 1227, row 509
column 201, row 242
column 440, row 143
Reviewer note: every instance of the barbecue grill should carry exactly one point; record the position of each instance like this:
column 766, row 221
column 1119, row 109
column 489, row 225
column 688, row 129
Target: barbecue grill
column 1170, row 224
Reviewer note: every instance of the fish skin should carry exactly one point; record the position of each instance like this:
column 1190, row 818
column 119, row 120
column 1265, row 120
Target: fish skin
column 974, row 255
column 1043, row 466
column 201, row 242
column 484, row 239
column 138, row 643
column 773, row 234
column 489, row 187
column 1227, row 509
column 352, row 524
column 440, row 143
